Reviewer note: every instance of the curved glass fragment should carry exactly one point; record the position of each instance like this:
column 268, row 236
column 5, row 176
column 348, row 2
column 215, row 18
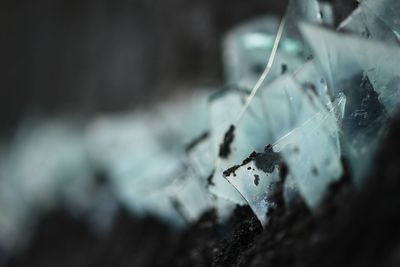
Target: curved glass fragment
column 297, row 120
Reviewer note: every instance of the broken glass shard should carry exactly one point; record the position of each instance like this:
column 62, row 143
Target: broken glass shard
column 144, row 152
column 246, row 50
column 113, row 144
column 255, row 178
column 202, row 162
column 377, row 60
column 200, row 157
column 247, row 47
column 363, row 22
column 313, row 168
column 309, row 76
column 368, row 77
column 302, row 11
column 224, row 108
column 286, row 105
column 387, row 10
column 189, row 196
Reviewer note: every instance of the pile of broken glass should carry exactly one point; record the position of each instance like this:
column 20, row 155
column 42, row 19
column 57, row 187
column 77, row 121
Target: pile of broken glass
column 299, row 97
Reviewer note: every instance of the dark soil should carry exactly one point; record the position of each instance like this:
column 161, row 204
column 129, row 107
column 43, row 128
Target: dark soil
column 350, row 228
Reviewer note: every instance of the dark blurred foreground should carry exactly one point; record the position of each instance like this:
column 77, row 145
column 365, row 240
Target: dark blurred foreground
column 350, row 228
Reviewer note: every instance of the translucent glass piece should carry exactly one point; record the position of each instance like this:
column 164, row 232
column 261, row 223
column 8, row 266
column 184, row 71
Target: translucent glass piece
column 144, row 152
column 246, row 50
column 369, row 79
column 303, row 10
column 248, row 47
column 251, row 133
column 387, row 10
column 149, row 197
column 139, row 164
column 286, row 105
column 224, row 109
column 255, row 179
column 189, row 196
column 363, row 22
column 310, row 77
column 178, row 121
column 113, row 143
column 377, row 60
column 201, row 159
column 313, row 168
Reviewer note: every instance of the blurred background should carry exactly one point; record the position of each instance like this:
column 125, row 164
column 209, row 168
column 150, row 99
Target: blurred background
column 104, row 56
